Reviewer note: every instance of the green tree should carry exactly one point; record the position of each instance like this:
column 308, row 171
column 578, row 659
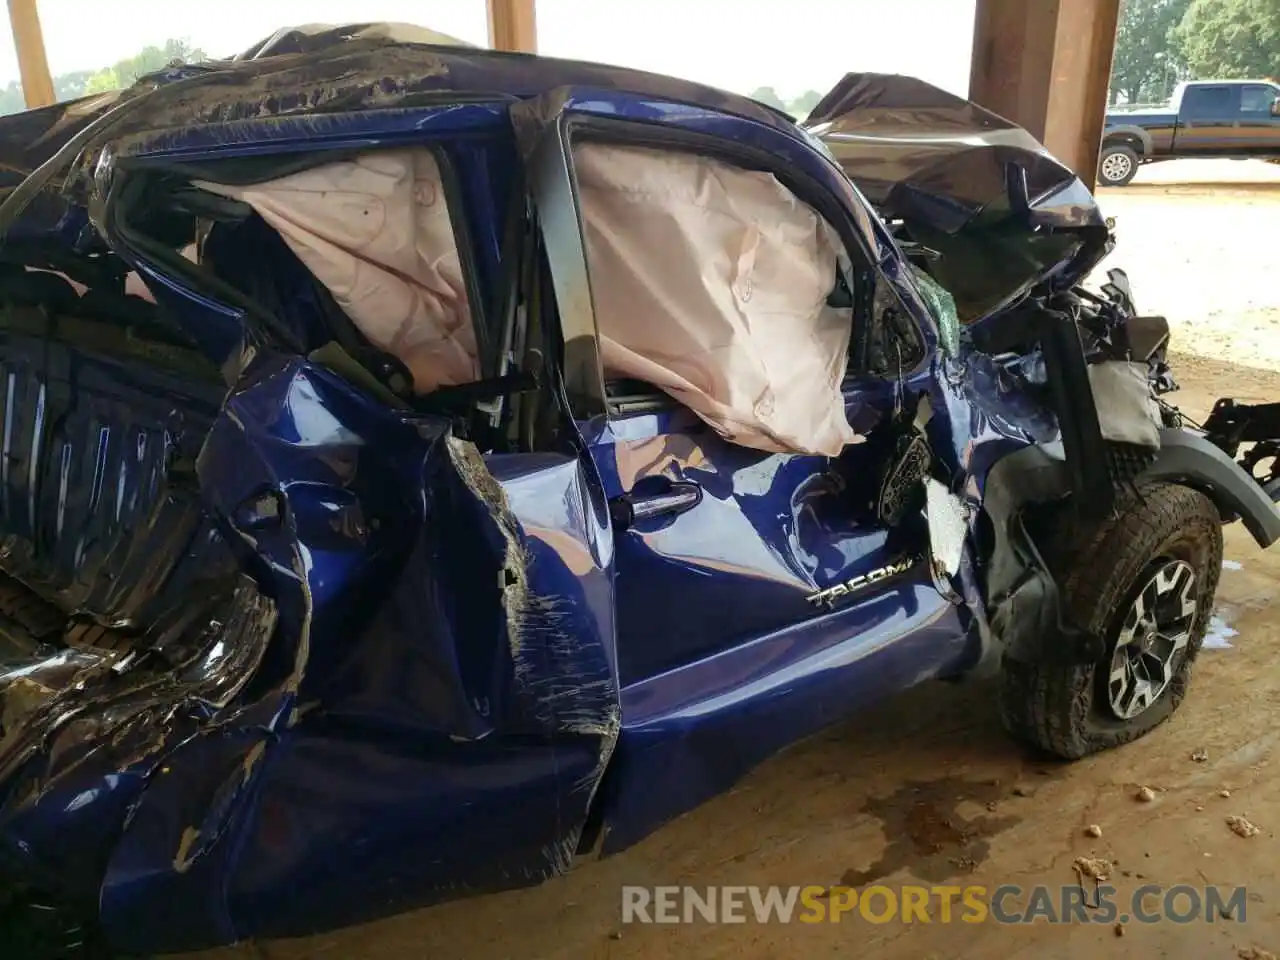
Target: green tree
column 1231, row 39
column 149, row 60
column 80, row 83
column 803, row 104
column 768, row 95
column 103, row 80
column 11, row 100
column 1146, row 64
column 68, row 86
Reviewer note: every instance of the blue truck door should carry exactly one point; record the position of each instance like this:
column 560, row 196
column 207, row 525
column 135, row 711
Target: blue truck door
column 727, row 556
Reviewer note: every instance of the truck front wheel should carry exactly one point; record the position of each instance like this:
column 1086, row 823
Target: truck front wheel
column 1118, row 165
column 1144, row 583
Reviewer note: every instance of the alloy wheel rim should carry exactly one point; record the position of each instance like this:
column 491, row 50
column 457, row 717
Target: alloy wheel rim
column 1116, row 167
column 1155, row 632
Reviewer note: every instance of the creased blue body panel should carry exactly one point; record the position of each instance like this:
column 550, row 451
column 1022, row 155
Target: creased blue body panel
column 77, row 764
column 408, row 671
column 693, row 732
column 105, row 529
column 441, row 661
column 768, row 531
column 723, row 657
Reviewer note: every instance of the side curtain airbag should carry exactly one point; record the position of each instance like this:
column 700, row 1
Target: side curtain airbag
column 711, row 282
column 376, row 231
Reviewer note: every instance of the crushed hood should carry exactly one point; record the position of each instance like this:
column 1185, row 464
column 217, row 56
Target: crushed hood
column 965, row 182
column 911, row 147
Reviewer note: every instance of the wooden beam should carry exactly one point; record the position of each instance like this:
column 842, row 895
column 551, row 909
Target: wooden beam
column 28, row 43
column 1082, row 75
column 513, row 26
column 1046, row 65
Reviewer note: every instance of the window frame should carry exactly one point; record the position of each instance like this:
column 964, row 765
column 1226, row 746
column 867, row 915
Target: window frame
column 120, row 229
column 1270, row 93
column 1231, row 108
column 559, row 187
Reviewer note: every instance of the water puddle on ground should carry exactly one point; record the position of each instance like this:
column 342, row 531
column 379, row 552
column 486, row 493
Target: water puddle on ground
column 1218, row 635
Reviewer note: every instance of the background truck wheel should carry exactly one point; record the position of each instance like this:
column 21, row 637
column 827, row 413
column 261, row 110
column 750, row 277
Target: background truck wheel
column 1118, row 165
column 1144, row 582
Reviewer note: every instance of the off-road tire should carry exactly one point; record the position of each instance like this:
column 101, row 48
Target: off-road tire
column 1063, row 709
column 1119, row 150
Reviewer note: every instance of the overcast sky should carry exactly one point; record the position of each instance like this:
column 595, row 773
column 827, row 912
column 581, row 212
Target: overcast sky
column 791, row 45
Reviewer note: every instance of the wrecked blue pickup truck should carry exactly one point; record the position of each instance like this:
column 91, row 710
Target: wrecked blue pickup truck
column 424, row 466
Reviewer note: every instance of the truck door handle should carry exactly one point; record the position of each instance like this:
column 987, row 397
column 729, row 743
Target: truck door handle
column 675, row 497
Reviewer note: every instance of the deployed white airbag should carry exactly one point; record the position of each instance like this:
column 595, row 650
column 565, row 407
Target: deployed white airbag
column 710, row 282
column 376, row 232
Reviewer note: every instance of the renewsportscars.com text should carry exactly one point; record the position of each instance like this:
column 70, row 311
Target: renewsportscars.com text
column 1006, row 904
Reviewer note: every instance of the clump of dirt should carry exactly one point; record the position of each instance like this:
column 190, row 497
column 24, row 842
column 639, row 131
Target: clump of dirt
column 1094, row 868
column 1242, row 827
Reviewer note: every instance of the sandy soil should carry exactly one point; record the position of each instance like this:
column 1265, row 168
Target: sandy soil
column 927, row 788
column 1200, row 249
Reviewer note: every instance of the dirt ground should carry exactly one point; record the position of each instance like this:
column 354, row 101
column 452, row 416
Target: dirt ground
column 927, row 789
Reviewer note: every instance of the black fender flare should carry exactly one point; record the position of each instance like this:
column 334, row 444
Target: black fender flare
column 1191, row 459
column 1124, row 132
column 1022, row 599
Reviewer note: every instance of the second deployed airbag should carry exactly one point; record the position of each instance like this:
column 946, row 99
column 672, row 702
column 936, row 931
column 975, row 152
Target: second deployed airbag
column 711, row 282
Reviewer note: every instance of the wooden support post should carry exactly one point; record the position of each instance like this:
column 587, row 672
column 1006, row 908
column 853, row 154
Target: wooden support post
column 28, row 43
column 1046, row 65
column 512, row 25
